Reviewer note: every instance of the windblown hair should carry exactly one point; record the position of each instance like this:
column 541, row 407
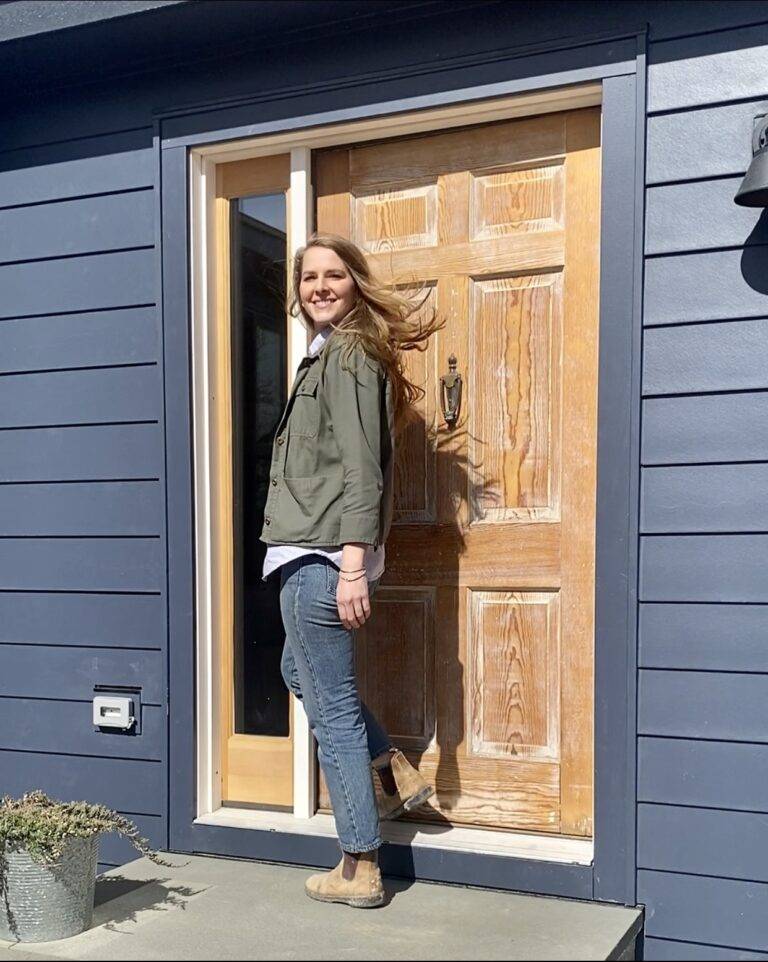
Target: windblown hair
column 384, row 320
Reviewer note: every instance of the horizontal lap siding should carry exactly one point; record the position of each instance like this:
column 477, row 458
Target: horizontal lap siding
column 82, row 453
column 125, row 784
column 667, row 949
column 702, row 842
column 82, row 502
column 94, row 339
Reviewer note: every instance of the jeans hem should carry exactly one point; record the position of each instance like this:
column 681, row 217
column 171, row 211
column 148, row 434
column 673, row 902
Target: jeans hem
column 387, row 748
column 361, row 848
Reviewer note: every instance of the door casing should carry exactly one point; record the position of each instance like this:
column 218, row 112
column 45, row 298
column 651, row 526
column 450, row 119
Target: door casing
column 609, row 875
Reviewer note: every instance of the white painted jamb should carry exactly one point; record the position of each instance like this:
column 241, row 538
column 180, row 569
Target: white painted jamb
column 299, row 228
column 202, row 197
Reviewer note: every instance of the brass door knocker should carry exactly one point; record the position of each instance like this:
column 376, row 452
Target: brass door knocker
column 450, row 392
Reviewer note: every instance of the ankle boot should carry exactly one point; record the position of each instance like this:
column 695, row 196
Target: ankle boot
column 355, row 881
column 412, row 789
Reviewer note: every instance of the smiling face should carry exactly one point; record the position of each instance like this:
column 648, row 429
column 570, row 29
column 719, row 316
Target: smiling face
column 326, row 289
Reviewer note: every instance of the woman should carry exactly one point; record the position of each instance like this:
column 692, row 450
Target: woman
column 326, row 518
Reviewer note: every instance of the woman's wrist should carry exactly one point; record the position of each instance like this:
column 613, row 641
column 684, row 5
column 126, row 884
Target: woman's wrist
column 353, row 557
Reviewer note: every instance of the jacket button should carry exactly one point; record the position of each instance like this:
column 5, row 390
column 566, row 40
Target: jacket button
column 274, row 480
column 267, row 521
column 281, row 439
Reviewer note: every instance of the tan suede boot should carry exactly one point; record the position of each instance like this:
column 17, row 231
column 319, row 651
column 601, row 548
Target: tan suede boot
column 412, row 789
column 354, row 881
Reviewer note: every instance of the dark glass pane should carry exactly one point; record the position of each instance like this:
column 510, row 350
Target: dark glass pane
column 259, row 347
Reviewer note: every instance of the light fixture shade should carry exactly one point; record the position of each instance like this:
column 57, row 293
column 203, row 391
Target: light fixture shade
column 753, row 191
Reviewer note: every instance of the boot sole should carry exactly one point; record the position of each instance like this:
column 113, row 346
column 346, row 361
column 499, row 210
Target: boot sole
column 413, row 802
column 357, row 902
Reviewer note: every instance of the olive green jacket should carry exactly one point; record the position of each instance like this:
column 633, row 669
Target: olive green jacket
column 331, row 475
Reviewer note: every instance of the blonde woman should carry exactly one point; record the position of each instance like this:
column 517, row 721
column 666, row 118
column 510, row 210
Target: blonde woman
column 326, row 519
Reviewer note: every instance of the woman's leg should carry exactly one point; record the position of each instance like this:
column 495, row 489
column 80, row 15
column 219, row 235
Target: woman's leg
column 323, row 656
column 379, row 743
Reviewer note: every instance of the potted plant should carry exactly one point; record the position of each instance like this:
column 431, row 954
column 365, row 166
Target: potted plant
column 48, row 857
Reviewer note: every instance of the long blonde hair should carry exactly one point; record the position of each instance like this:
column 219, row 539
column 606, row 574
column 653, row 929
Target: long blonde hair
column 385, row 321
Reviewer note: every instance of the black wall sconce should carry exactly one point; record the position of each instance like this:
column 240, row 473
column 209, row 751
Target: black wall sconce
column 753, row 191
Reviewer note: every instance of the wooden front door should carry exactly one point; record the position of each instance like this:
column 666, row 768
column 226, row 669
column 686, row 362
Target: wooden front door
column 479, row 655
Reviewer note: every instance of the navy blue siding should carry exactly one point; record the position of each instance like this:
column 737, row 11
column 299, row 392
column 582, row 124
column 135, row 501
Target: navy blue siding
column 128, row 785
column 93, row 339
column 82, row 499
column 102, row 452
column 702, row 830
column 77, row 226
column 666, row 949
column 723, row 637
column 690, row 358
column 82, row 487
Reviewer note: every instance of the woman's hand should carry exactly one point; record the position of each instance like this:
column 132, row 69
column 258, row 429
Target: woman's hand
column 353, row 602
column 352, row 596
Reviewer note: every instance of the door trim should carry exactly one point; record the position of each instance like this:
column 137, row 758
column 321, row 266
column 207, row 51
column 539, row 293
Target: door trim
column 611, row 876
column 211, row 415
column 544, row 848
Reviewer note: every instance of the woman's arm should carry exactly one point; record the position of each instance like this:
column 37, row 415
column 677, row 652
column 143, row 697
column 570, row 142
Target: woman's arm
column 354, row 400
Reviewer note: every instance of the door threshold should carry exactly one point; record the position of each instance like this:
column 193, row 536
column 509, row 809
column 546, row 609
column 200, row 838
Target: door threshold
column 542, row 848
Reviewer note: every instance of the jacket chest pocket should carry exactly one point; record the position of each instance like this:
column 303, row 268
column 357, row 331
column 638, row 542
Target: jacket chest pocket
column 305, row 414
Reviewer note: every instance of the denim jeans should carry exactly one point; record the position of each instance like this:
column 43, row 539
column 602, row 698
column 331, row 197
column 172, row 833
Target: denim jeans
column 318, row 666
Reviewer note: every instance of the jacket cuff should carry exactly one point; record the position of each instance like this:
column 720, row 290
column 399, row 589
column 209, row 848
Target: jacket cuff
column 359, row 529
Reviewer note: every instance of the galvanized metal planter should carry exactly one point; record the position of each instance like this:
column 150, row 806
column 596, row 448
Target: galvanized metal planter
column 41, row 903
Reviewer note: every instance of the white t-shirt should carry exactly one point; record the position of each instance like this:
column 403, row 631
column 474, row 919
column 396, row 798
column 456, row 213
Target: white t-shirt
column 278, row 554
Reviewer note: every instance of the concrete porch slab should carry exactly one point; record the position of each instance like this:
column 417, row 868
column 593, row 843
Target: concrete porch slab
column 210, row 908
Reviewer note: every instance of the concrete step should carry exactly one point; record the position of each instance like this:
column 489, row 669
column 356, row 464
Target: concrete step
column 214, row 908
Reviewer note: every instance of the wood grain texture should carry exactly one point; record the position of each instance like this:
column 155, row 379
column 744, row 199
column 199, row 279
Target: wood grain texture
column 518, row 320
column 502, row 224
column 243, row 178
column 253, row 769
column 514, row 675
column 580, row 367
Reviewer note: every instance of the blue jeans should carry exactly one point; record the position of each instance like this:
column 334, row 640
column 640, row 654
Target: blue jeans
column 318, row 666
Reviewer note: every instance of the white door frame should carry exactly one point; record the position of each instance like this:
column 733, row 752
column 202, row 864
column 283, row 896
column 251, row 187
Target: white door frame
column 202, row 171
